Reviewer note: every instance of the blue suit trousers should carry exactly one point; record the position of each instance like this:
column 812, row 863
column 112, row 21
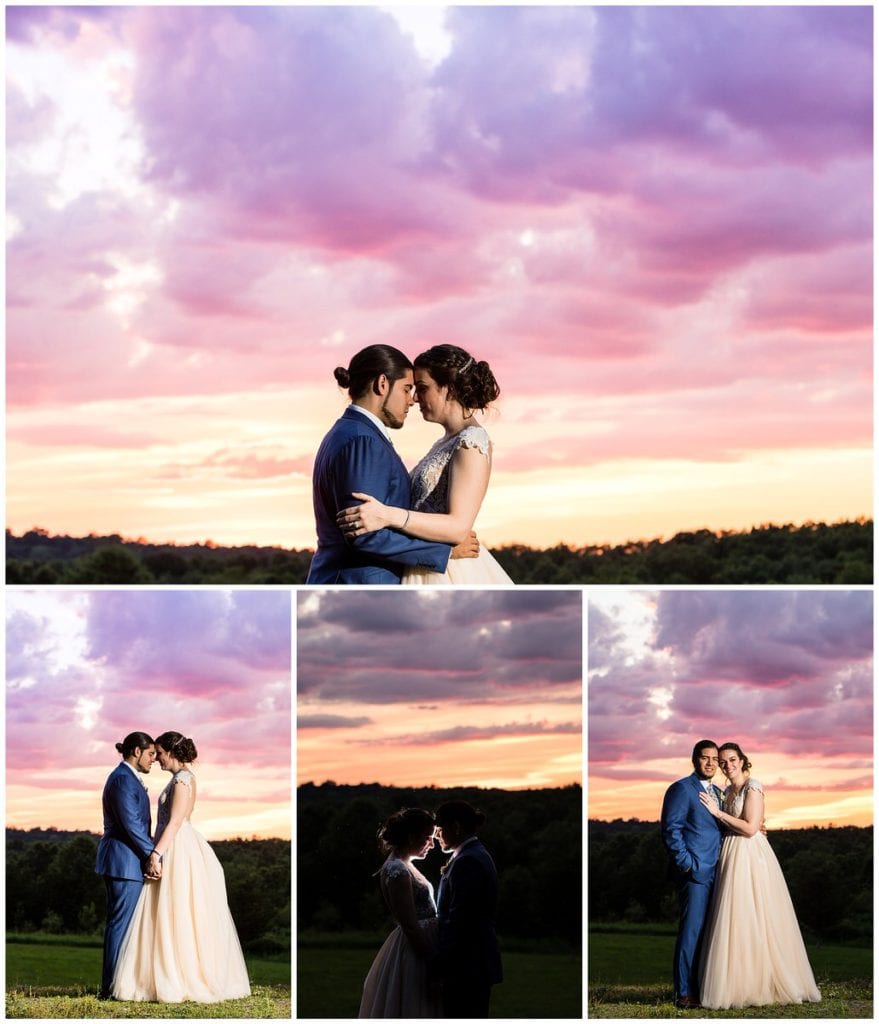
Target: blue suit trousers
column 693, row 901
column 122, row 896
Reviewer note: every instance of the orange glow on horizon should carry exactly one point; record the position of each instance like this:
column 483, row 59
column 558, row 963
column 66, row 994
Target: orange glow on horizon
column 260, row 494
column 793, row 800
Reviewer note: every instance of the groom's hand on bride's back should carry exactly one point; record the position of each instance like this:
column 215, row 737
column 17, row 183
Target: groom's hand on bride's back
column 468, row 548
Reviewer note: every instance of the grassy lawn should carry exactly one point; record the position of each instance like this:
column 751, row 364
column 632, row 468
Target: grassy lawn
column 330, row 975
column 630, row 976
column 56, row 978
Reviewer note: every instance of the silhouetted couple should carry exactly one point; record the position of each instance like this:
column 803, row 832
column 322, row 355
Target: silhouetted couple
column 443, row 957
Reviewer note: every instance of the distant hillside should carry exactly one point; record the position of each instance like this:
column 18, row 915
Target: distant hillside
column 535, row 838
column 838, row 553
column 829, row 872
column 51, row 885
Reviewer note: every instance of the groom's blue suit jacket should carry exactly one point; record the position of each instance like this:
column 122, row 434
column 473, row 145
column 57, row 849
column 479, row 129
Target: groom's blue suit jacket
column 126, row 843
column 690, row 831
column 356, row 456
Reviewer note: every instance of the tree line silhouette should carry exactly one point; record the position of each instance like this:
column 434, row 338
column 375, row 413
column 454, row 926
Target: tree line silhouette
column 534, row 836
column 51, row 886
column 838, row 553
column 829, row 872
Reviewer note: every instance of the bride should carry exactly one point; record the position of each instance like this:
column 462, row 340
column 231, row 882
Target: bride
column 181, row 943
column 753, row 953
column 450, row 482
column 397, row 984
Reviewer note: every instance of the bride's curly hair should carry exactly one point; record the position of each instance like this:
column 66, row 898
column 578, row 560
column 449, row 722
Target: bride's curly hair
column 178, row 746
column 469, row 381
column 403, row 827
column 746, row 764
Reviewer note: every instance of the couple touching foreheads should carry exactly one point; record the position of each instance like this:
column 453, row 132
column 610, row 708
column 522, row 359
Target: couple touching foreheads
column 378, row 524
column 442, row 958
column 169, row 936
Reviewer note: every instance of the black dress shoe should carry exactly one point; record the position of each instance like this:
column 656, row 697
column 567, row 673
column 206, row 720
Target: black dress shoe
column 687, row 1003
column 104, row 996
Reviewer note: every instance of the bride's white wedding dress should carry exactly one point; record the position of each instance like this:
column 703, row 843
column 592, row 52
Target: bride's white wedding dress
column 182, row 944
column 753, row 953
column 397, row 983
column 430, row 493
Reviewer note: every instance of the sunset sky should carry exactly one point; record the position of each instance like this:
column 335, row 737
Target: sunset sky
column 440, row 688
column 85, row 669
column 655, row 223
column 787, row 675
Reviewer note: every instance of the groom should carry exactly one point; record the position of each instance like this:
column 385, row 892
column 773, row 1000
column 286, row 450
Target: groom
column 126, row 855
column 469, row 960
column 692, row 837
column 357, row 455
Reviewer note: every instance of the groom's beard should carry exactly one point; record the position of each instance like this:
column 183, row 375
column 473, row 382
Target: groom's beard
column 390, row 420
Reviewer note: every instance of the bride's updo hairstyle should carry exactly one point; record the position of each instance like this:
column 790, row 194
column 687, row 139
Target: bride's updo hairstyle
column 469, row 381
column 368, row 365
column 402, row 829
column 746, row 764
column 132, row 742
column 178, row 746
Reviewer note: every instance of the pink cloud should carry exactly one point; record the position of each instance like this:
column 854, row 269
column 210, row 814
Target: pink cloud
column 785, row 671
column 694, row 185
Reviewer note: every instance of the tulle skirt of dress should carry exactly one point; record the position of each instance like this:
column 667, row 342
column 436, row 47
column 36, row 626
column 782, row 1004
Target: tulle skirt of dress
column 480, row 570
column 397, row 984
column 182, row 944
column 753, row 952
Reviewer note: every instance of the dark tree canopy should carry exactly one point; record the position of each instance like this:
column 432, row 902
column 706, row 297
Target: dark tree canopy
column 829, row 872
column 534, row 836
column 841, row 553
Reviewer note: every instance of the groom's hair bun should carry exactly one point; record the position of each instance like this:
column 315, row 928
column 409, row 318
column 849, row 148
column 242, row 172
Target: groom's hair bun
column 403, row 827
column 469, row 381
column 178, row 746
column 368, row 365
column 132, row 742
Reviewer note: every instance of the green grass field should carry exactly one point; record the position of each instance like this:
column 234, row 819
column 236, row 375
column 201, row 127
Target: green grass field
column 630, row 967
column 331, row 969
column 58, row 976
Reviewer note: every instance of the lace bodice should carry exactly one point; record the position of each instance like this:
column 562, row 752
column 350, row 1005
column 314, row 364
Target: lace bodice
column 430, row 478
column 163, row 815
column 422, row 890
column 734, row 803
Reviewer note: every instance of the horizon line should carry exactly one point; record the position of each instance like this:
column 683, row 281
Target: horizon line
column 861, row 519
column 780, row 828
column 89, row 832
column 433, row 785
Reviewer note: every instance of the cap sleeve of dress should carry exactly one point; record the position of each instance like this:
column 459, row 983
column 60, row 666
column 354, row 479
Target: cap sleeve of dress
column 475, row 437
column 756, row 786
column 183, row 778
column 393, row 868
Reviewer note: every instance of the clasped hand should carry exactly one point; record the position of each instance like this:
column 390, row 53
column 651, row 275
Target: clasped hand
column 154, row 867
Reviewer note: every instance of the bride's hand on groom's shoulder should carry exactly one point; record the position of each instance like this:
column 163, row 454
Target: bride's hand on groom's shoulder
column 709, row 805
